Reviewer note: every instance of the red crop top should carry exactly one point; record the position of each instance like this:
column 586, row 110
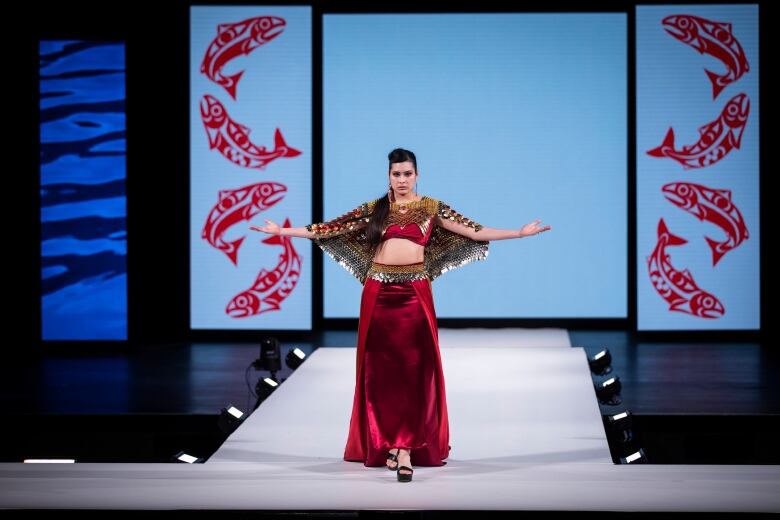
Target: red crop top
column 410, row 231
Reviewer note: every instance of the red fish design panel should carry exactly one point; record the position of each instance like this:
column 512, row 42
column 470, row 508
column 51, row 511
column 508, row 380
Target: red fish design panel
column 232, row 140
column 717, row 139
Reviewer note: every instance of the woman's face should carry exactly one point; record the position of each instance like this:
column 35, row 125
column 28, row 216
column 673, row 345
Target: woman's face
column 403, row 177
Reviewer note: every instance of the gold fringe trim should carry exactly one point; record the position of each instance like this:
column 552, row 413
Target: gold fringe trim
column 397, row 273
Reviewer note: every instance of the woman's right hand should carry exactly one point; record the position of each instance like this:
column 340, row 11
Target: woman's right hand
column 272, row 228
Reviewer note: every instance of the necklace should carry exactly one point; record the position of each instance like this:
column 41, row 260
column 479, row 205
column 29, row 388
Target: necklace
column 404, row 205
column 419, row 212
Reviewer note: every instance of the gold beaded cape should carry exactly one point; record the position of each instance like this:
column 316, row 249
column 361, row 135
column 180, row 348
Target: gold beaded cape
column 345, row 239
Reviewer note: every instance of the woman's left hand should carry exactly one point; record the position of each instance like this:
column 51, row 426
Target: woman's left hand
column 533, row 229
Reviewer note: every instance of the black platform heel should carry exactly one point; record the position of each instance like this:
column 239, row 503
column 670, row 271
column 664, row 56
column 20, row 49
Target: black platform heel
column 404, row 477
column 394, row 457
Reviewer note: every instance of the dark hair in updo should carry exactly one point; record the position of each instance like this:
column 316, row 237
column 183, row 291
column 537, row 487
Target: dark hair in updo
column 382, row 206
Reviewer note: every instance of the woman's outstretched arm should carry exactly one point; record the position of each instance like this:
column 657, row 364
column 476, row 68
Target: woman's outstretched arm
column 272, row 228
column 487, row 233
column 346, row 223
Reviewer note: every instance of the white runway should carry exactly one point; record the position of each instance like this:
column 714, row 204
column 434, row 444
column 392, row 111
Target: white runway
column 529, row 404
column 525, row 431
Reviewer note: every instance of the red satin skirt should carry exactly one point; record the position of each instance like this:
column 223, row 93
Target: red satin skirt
column 400, row 399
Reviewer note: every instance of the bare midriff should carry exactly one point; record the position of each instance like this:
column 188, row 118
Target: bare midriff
column 399, row 251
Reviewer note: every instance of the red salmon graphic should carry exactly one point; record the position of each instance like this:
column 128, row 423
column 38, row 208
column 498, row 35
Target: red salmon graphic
column 715, row 39
column 678, row 287
column 237, row 39
column 270, row 287
column 232, row 139
column 717, row 138
column 236, row 206
column 711, row 205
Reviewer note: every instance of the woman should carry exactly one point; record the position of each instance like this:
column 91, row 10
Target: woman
column 399, row 410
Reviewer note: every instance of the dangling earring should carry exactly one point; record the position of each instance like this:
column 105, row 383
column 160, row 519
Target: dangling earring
column 390, row 195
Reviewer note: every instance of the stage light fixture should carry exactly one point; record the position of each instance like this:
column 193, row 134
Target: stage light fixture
column 49, row 461
column 620, row 426
column 229, row 419
column 608, row 392
column 270, row 356
column 637, row 457
column 265, row 387
column 187, row 458
column 601, row 363
column 295, row 358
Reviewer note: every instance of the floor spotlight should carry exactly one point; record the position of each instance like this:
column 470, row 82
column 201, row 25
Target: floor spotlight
column 229, row 419
column 637, row 457
column 265, row 387
column 601, row 362
column 620, row 426
column 295, row 358
column 49, row 461
column 608, row 392
column 270, row 356
column 189, row 459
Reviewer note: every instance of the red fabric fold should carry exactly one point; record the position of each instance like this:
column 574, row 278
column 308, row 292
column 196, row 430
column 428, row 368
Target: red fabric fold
column 400, row 398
